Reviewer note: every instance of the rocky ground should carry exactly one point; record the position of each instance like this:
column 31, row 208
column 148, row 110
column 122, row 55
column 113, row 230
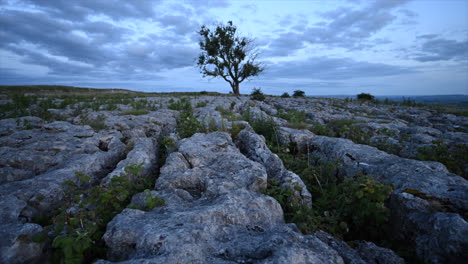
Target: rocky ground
column 224, row 179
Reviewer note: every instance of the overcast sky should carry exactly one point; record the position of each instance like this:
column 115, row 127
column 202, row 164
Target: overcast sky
column 383, row 47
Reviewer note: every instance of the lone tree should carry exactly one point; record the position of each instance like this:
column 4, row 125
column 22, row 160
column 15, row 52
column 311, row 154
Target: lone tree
column 227, row 55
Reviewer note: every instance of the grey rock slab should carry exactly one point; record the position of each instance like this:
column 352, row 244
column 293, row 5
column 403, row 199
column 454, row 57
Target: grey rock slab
column 297, row 137
column 254, row 147
column 25, row 199
column 16, row 245
column 374, row 254
column 10, row 125
column 349, row 255
column 214, row 213
column 144, row 154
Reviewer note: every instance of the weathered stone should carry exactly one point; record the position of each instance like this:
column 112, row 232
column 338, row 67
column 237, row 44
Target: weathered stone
column 349, row 255
column 296, row 137
column 222, row 219
column 255, row 148
column 373, row 254
column 143, row 154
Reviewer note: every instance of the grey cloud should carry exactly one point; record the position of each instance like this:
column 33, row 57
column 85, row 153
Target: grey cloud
column 79, row 10
column 179, row 24
column 427, row 36
column 73, row 45
column 286, row 44
column 208, row 3
column 56, row 37
column 442, row 49
column 408, row 13
column 324, row 68
column 343, row 27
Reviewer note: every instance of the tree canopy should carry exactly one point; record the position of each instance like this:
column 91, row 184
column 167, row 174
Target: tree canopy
column 227, row 55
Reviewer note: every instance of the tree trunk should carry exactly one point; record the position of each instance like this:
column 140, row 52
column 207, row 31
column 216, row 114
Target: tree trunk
column 235, row 88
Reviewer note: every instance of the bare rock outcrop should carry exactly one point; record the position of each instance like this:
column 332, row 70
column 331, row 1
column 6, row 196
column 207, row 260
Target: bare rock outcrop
column 214, row 213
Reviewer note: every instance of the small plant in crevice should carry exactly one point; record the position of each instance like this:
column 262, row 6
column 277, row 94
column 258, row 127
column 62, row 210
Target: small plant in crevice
column 188, row 124
column 152, row 202
column 180, row 105
column 263, row 125
column 296, row 119
column 97, row 124
column 166, row 146
column 135, row 112
column 201, row 104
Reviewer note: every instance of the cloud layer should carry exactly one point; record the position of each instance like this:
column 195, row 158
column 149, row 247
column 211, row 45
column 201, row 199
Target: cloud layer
column 109, row 42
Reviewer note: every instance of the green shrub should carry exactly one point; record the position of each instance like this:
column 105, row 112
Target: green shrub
column 257, row 94
column 351, row 208
column 187, row 124
column 453, row 157
column 296, row 119
column 264, row 126
column 201, row 104
column 285, row 95
column 365, row 96
column 166, row 147
column 78, row 232
column 181, row 105
column 298, row 93
column 135, row 112
column 97, row 124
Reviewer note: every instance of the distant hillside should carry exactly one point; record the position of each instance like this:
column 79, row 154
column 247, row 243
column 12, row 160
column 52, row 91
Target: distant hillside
column 59, row 90
column 453, row 99
column 62, row 90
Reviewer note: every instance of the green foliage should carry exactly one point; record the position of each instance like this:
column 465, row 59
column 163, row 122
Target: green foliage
column 358, row 205
column 227, row 55
column 97, row 124
column 285, row 95
column 135, row 112
column 298, row 93
column 235, row 129
column 201, row 104
column 78, row 232
column 257, row 94
column 152, row 202
column 343, row 128
column 263, row 125
column 223, row 111
column 365, row 96
column 180, row 105
column 73, row 246
column 296, row 119
column 166, row 147
column 453, row 157
column 351, row 208
column 188, row 125
column 282, row 195
column 18, row 107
